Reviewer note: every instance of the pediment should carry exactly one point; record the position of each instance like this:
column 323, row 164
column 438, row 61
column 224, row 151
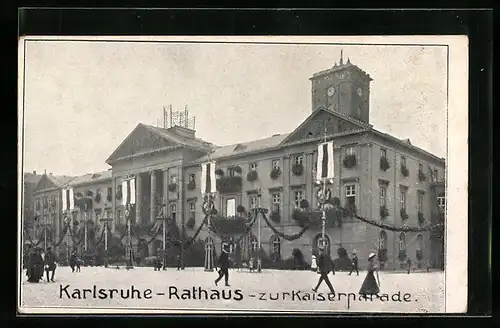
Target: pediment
column 141, row 140
column 314, row 126
column 45, row 183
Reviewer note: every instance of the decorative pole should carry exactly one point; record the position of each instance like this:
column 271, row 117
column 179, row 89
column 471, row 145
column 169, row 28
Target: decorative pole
column 129, row 242
column 164, row 217
column 106, row 218
column 259, row 259
column 85, row 227
column 45, row 228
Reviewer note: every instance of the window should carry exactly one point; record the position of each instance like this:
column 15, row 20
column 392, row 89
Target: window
column 276, row 201
column 173, row 179
column 441, row 202
column 402, row 242
column 420, row 167
column 436, row 178
column 420, row 202
column 253, row 166
column 350, row 195
column 230, row 207
column 118, row 217
column 298, row 195
column 173, row 211
column 402, row 199
column 275, row 250
column 298, row 159
column 403, row 161
column 98, row 191
column 276, row 164
column 382, row 240
column 231, row 172
column 192, row 177
column 253, row 243
column 383, row 196
column 383, row 153
column 110, row 191
column 252, row 202
column 192, row 210
column 420, row 242
column 349, row 150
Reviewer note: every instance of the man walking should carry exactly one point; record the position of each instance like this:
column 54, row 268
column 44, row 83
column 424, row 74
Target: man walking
column 50, row 264
column 223, row 266
column 324, row 268
column 354, row 264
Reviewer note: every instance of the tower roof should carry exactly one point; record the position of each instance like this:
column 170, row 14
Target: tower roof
column 340, row 67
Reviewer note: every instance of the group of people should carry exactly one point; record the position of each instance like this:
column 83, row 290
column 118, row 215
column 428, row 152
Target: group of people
column 37, row 264
column 326, row 265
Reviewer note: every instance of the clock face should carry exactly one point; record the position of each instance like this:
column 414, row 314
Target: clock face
column 360, row 92
column 331, row 91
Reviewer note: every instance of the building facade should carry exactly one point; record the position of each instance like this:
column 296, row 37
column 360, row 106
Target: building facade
column 30, row 181
column 383, row 178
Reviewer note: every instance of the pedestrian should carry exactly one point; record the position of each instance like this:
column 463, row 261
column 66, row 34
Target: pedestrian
column 370, row 285
column 34, row 266
column 178, row 259
column 157, row 260
column 223, row 264
column 408, row 264
column 314, row 265
column 354, row 264
column 325, row 266
column 73, row 261
column 50, row 264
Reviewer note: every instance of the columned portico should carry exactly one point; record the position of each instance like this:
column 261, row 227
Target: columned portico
column 152, row 215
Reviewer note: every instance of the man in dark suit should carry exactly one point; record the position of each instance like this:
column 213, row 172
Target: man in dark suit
column 354, row 264
column 325, row 266
column 223, row 264
column 50, row 264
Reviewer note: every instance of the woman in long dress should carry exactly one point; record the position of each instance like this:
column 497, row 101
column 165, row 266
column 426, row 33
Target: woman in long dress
column 370, row 285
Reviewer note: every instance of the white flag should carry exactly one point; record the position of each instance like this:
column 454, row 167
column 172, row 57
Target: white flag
column 213, row 184
column 124, row 193
column 71, row 199
column 319, row 165
column 325, row 165
column 132, row 191
column 203, row 182
column 64, row 203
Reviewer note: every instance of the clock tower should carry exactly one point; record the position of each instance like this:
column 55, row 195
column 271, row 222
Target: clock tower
column 344, row 88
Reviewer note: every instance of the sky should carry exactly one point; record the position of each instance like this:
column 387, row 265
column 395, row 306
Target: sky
column 82, row 99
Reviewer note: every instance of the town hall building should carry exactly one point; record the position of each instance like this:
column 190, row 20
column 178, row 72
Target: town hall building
column 379, row 176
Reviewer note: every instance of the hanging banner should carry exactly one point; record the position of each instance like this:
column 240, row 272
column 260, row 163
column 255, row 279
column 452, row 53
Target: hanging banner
column 125, row 194
column 208, row 182
column 71, row 199
column 64, row 199
column 325, row 166
column 132, row 191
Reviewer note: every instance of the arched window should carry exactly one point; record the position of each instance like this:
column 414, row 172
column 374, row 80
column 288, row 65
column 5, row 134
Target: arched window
column 318, row 241
column 420, row 242
column 402, row 241
column 275, row 247
column 382, row 240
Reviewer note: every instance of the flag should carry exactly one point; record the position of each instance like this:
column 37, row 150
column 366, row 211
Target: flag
column 325, row 166
column 124, row 193
column 132, row 191
column 208, row 182
column 71, row 199
column 64, row 199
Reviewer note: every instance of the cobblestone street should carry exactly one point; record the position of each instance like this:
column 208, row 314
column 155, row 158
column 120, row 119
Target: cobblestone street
column 269, row 290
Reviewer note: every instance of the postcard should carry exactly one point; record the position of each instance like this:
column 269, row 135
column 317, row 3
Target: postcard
column 243, row 174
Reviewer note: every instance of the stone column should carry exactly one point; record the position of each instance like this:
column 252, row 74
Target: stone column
column 152, row 212
column 112, row 226
column 138, row 198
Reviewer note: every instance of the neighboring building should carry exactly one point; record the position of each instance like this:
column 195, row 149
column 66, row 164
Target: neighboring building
column 384, row 178
column 30, row 180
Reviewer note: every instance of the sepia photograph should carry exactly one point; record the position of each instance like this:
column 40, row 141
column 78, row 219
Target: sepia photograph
column 243, row 174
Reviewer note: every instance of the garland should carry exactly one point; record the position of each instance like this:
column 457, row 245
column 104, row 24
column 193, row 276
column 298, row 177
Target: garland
column 393, row 228
column 280, row 234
